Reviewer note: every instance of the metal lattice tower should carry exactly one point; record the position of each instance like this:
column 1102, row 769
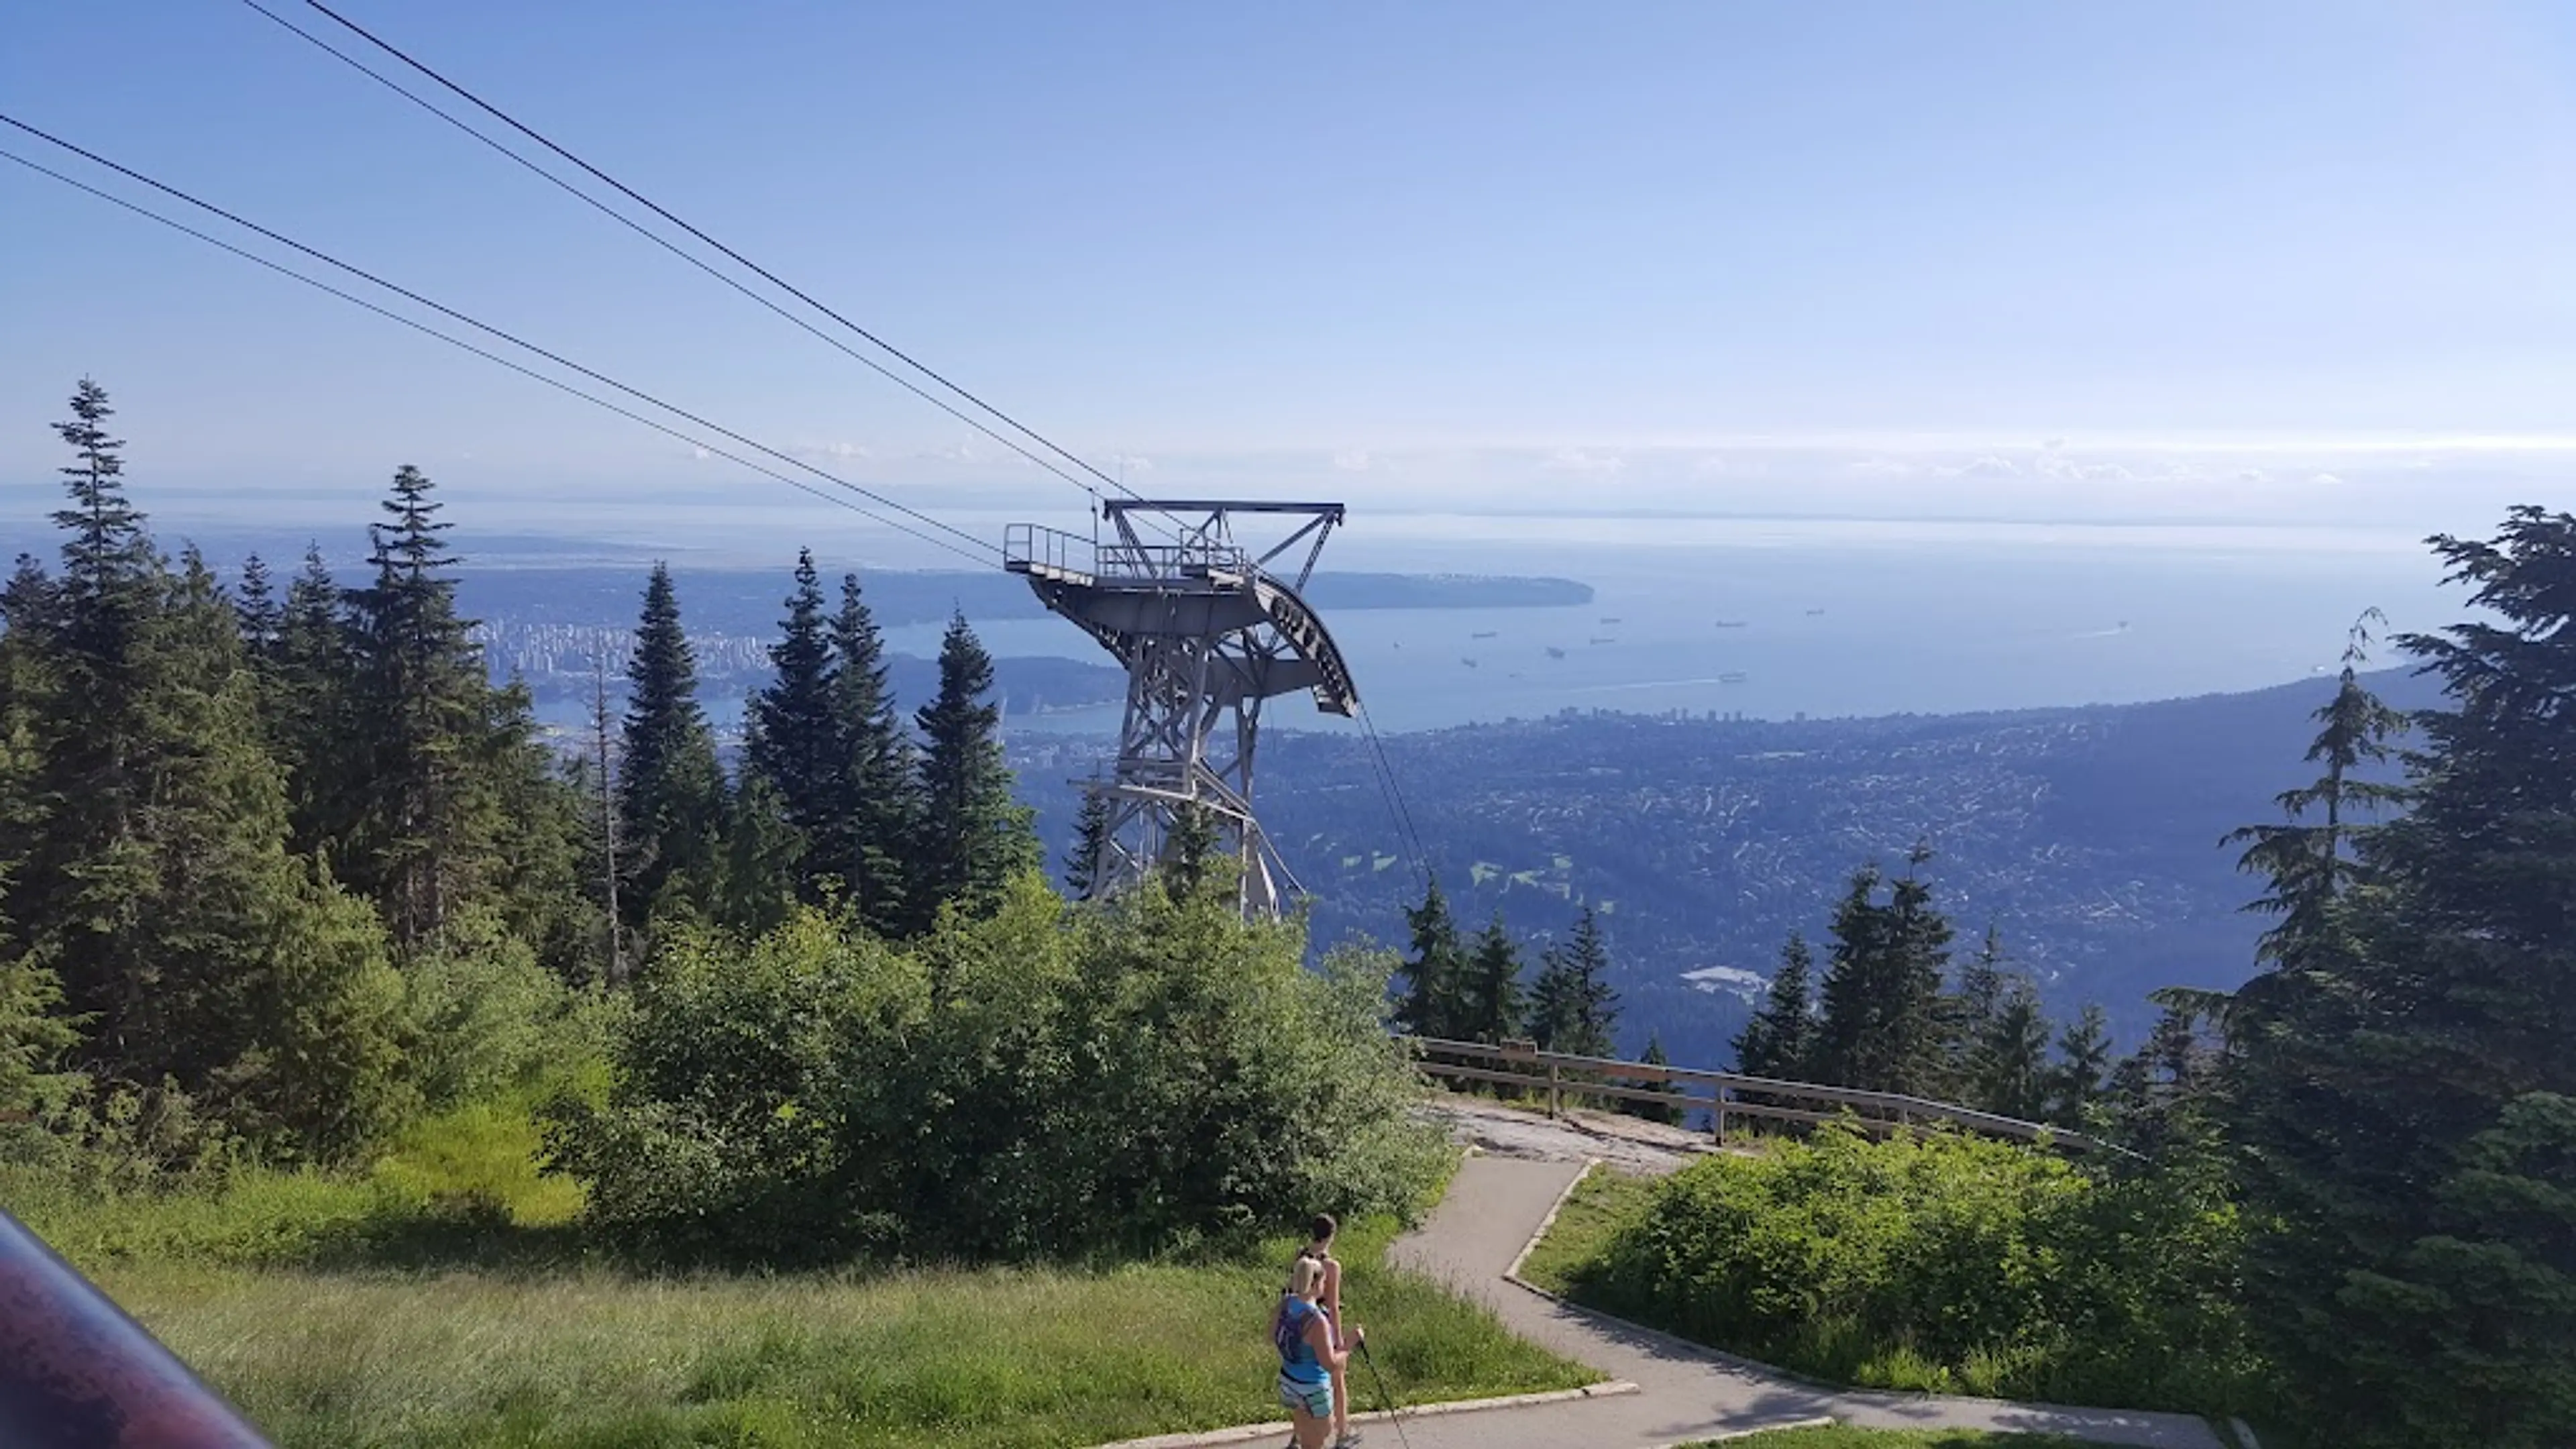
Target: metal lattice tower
column 1208, row 630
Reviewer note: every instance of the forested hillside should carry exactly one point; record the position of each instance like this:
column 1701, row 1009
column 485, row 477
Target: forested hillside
column 2089, row 838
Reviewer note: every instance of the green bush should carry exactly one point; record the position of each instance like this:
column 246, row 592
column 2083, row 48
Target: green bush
column 1946, row 1263
column 1046, row 1080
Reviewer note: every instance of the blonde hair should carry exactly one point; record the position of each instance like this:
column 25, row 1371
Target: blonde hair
column 1305, row 1275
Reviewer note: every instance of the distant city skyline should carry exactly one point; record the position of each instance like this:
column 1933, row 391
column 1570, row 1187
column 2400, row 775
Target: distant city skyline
column 2295, row 264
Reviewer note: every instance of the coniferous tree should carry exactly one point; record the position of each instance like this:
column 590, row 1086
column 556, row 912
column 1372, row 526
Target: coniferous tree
column 670, row 791
column 1191, row 852
column 1780, row 1040
column 974, row 837
column 307, row 704
column 2310, row 865
column 262, row 613
column 1670, row 1114
column 1436, row 975
column 2075, row 1081
column 1090, row 837
column 1495, row 1007
column 1883, row 1025
column 1972, row 1011
column 2011, row 1062
column 421, row 843
column 880, row 806
column 1573, row 1007
column 763, row 854
column 196, row 948
column 2402, row 1090
column 795, row 743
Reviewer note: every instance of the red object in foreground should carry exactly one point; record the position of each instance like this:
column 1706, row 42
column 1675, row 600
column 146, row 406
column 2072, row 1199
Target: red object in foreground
column 76, row 1373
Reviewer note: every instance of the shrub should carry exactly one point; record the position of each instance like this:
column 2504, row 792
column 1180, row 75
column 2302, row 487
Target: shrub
column 1041, row 1081
column 1943, row 1262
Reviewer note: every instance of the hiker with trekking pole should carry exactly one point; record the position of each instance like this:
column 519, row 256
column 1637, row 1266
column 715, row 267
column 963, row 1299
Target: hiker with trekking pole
column 1311, row 1358
column 1336, row 1348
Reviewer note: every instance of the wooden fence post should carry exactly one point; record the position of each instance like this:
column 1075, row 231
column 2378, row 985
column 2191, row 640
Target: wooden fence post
column 1717, row 1117
column 1555, row 1102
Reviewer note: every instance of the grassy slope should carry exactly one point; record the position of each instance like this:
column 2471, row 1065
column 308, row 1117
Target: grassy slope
column 345, row 1312
column 1584, row 1225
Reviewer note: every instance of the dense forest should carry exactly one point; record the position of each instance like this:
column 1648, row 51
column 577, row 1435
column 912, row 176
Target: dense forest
column 286, row 871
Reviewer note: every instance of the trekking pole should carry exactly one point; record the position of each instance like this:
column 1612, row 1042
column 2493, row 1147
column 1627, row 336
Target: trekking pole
column 1394, row 1415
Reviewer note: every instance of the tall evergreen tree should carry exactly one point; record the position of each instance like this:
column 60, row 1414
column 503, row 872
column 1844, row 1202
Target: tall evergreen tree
column 262, row 613
column 2075, row 1080
column 307, row 703
column 2402, row 1091
column 795, row 742
column 1436, row 974
column 1573, row 1007
column 974, row 837
column 670, row 791
column 1090, row 836
column 2310, row 859
column 880, row 801
column 421, row 844
column 2011, row 1061
column 1780, row 1040
column 1495, row 1007
column 1883, row 1025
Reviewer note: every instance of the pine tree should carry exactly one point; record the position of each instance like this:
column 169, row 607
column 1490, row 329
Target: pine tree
column 1572, row 1006
column 1495, row 1008
column 670, row 791
column 1191, row 852
column 1436, row 975
column 2075, row 1080
column 420, row 845
column 2310, row 866
column 762, row 861
column 1670, row 1114
column 2400, row 1095
column 1972, row 1009
column 262, row 613
column 1780, row 1040
column 794, row 743
column 974, row 837
column 2012, row 1072
column 1082, row 860
column 1883, row 1025
column 193, row 944
column 306, row 703
column 880, row 806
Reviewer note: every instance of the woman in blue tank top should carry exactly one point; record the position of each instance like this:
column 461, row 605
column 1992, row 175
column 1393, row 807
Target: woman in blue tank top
column 1308, row 1357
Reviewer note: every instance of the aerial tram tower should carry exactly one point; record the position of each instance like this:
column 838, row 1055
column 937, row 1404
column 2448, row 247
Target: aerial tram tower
column 1210, row 622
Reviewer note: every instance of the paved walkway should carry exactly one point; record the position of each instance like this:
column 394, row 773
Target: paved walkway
column 1687, row 1393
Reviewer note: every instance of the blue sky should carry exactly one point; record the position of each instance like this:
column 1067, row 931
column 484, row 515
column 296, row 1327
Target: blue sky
column 2038, row 261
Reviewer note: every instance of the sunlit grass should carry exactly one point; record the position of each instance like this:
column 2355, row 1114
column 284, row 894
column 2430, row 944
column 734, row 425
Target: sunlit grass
column 446, row 1298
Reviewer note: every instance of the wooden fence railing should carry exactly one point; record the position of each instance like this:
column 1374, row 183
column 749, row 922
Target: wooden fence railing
column 1728, row 1095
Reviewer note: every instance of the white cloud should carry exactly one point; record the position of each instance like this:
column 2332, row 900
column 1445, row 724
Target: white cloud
column 1352, row 462
column 1583, row 460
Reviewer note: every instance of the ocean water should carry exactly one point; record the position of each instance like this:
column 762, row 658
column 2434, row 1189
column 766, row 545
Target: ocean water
column 1781, row 618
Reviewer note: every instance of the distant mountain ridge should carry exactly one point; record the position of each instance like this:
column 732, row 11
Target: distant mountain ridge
column 2089, row 836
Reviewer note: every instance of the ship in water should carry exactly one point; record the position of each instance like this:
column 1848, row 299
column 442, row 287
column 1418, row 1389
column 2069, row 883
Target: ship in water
column 1811, row 613
column 1605, row 641
column 1484, row 634
column 1609, row 621
column 1732, row 676
column 1470, row 663
column 1555, row 653
column 1730, row 623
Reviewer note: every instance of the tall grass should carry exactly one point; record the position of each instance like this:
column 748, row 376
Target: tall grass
column 446, row 1297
